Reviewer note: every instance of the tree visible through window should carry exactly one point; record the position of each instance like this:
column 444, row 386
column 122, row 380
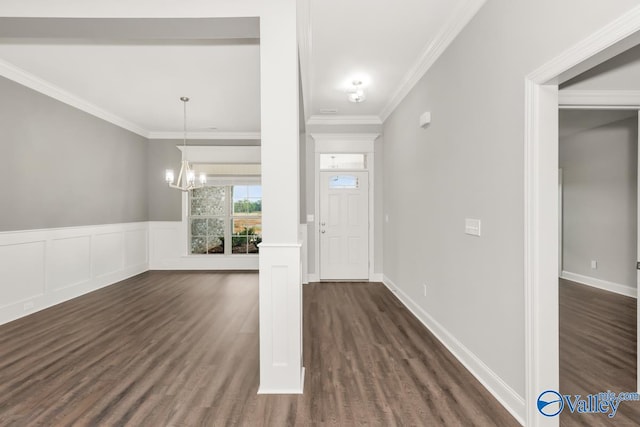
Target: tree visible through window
column 225, row 219
column 247, row 219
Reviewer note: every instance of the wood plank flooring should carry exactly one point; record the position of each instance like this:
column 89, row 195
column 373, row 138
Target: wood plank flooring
column 597, row 350
column 181, row 349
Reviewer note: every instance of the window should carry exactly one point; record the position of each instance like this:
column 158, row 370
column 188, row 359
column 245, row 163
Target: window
column 247, row 219
column 225, row 219
column 342, row 161
column 344, row 182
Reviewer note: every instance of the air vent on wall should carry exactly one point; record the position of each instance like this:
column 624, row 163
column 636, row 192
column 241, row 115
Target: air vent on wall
column 328, row 111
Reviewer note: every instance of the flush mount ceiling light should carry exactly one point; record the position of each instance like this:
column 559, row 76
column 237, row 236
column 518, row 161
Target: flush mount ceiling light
column 356, row 93
column 187, row 176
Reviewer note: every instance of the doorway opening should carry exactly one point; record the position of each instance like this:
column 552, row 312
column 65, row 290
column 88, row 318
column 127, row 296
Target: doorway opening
column 541, row 201
column 344, row 206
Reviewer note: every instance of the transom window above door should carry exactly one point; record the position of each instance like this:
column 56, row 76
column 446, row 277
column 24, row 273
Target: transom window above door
column 343, row 161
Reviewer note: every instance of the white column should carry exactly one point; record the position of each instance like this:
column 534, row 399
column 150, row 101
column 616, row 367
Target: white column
column 281, row 368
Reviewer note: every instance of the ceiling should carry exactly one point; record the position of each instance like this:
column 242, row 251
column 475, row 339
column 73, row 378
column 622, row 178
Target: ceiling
column 132, row 72
column 375, row 41
column 580, row 120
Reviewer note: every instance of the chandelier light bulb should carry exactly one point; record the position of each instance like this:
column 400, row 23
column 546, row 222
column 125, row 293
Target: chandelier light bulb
column 191, row 177
column 169, row 176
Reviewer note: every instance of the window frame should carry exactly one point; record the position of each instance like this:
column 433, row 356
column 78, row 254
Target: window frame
column 228, row 217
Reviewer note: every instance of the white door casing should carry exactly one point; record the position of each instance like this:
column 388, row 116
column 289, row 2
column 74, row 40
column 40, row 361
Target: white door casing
column 344, row 143
column 541, row 198
column 344, row 225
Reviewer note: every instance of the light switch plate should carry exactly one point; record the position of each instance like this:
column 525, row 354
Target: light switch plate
column 310, row 218
column 472, row 226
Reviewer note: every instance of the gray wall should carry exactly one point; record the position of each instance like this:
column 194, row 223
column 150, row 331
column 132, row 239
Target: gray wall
column 469, row 164
column 619, row 73
column 599, row 169
column 62, row 167
column 165, row 203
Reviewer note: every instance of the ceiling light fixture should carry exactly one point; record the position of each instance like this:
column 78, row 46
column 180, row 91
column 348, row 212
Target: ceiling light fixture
column 187, row 176
column 356, row 93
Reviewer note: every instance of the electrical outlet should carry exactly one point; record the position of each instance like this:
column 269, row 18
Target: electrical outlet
column 28, row 305
column 594, row 264
column 424, row 289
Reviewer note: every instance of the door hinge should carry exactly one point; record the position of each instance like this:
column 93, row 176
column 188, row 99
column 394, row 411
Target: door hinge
column 638, row 265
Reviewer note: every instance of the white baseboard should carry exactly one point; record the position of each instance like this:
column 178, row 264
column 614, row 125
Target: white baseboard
column 600, row 284
column 42, row 268
column 313, row 277
column 512, row 401
column 376, row 277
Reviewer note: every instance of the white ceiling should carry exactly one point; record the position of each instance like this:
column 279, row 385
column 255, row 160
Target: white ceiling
column 142, row 83
column 136, row 81
column 376, row 41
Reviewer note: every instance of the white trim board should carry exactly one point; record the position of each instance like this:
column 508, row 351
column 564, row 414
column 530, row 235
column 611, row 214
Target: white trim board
column 459, row 19
column 600, row 284
column 612, row 99
column 204, row 135
column 343, row 120
column 512, row 401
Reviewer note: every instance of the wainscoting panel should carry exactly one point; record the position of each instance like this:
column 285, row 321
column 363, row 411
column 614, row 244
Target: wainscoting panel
column 168, row 251
column 136, row 244
column 41, row 268
column 70, row 262
column 108, row 253
column 22, row 272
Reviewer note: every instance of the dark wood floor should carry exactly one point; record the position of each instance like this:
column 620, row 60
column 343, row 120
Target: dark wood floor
column 597, row 350
column 181, row 349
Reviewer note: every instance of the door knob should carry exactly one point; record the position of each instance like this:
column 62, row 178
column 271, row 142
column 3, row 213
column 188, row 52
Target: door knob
column 323, row 231
column 322, row 223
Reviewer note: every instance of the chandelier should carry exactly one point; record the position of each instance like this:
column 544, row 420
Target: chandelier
column 187, row 176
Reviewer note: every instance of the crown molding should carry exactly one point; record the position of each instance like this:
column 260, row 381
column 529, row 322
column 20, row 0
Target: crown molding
column 344, row 136
column 344, row 120
column 432, row 52
column 621, row 99
column 27, row 79
column 204, row 135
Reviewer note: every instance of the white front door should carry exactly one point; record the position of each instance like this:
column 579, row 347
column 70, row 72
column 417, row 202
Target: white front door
column 344, row 225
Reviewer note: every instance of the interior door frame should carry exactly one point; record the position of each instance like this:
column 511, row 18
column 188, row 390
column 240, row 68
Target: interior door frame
column 362, row 143
column 541, row 200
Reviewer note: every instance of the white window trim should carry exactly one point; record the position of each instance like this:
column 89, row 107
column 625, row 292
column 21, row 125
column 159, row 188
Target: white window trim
column 227, row 217
column 214, row 154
